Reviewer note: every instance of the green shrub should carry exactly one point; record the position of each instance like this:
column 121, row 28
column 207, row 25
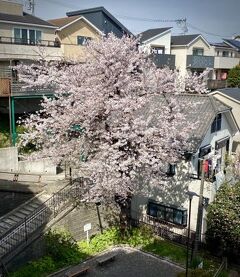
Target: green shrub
column 63, row 249
column 36, row 268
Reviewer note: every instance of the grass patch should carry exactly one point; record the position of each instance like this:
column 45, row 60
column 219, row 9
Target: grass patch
column 166, row 249
column 62, row 250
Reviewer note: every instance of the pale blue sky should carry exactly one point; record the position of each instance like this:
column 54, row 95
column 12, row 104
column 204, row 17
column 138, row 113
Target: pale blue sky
column 219, row 17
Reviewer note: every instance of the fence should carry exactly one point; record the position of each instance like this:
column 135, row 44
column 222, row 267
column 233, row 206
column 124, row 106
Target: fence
column 160, row 228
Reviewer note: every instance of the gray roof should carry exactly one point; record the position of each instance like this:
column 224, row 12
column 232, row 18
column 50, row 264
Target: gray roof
column 231, row 92
column 25, row 18
column 183, row 40
column 87, row 12
column 233, row 42
column 221, row 45
column 150, row 33
column 198, row 109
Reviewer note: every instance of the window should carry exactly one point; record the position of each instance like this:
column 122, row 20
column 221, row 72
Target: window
column 216, row 125
column 25, row 36
column 198, row 51
column 158, row 50
column 225, row 54
column 171, row 170
column 167, row 213
column 81, row 40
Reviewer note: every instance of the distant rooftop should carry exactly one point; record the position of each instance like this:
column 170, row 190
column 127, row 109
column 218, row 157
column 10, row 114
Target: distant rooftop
column 221, row 45
column 150, row 33
column 24, row 19
column 231, row 92
column 99, row 23
column 183, row 40
column 233, row 42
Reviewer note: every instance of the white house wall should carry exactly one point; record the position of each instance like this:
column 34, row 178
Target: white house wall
column 200, row 43
column 180, row 58
column 164, row 41
column 173, row 190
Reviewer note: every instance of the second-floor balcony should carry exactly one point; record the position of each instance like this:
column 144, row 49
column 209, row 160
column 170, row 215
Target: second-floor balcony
column 225, row 62
column 201, row 62
column 25, row 49
column 216, row 84
column 162, row 60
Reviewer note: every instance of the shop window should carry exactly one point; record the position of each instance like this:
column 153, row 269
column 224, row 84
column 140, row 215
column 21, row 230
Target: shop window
column 216, row 125
column 167, row 213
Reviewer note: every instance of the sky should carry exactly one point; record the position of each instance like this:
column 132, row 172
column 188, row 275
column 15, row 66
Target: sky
column 214, row 19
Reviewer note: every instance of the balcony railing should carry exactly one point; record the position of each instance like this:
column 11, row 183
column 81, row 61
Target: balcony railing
column 20, row 89
column 19, row 41
column 162, row 60
column 194, row 61
column 216, row 84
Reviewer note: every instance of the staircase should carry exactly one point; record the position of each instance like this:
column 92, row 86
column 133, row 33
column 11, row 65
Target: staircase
column 23, row 225
column 16, row 216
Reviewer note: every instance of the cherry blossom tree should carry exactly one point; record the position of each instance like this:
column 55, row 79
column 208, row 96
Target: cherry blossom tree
column 105, row 118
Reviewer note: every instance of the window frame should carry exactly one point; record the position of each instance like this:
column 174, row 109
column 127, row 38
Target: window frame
column 217, row 123
column 27, row 40
column 167, row 213
column 85, row 40
column 197, row 53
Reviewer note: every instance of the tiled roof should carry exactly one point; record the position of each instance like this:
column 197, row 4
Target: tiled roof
column 60, row 22
column 233, row 42
column 221, row 45
column 183, row 40
column 150, row 33
column 25, row 18
column 231, row 92
column 200, row 110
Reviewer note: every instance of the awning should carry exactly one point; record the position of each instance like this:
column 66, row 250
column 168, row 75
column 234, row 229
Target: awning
column 221, row 143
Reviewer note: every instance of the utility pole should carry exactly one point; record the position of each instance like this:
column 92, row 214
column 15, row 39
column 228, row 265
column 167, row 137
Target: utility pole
column 200, row 213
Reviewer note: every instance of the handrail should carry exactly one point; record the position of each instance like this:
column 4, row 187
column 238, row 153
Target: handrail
column 21, row 41
column 221, row 267
column 47, row 211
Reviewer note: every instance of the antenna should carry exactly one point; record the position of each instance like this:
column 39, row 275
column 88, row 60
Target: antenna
column 30, row 4
column 182, row 23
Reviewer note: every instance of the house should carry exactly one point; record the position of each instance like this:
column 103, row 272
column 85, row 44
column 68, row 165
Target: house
column 78, row 27
column 23, row 38
column 226, row 56
column 235, row 43
column 212, row 138
column 231, row 97
column 192, row 53
column 103, row 20
column 157, row 42
column 73, row 33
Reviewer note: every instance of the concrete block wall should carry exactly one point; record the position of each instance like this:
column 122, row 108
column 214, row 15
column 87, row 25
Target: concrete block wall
column 9, row 159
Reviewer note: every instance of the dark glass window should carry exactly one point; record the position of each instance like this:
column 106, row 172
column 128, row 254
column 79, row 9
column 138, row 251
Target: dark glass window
column 167, row 213
column 171, row 170
column 81, row 40
column 216, row 125
column 198, row 52
column 225, row 54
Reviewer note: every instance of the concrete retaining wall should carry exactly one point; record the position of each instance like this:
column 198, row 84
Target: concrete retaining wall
column 9, row 159
column 39, row 166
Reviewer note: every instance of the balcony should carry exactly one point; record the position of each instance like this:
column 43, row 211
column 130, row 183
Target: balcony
column 162, row 60
column 216, row 84
column 11, row 48
column 201, row 62
column 20, row 89
column 225, row 62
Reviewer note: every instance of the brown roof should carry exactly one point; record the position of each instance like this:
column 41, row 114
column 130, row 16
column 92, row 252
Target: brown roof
column 60, row 22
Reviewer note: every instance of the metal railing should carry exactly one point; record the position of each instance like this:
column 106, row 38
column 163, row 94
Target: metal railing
column 162, row 228
column 19, row 88
column 21, row 41
column 22, row 232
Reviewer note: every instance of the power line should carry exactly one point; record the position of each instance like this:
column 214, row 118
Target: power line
column 208, row 33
